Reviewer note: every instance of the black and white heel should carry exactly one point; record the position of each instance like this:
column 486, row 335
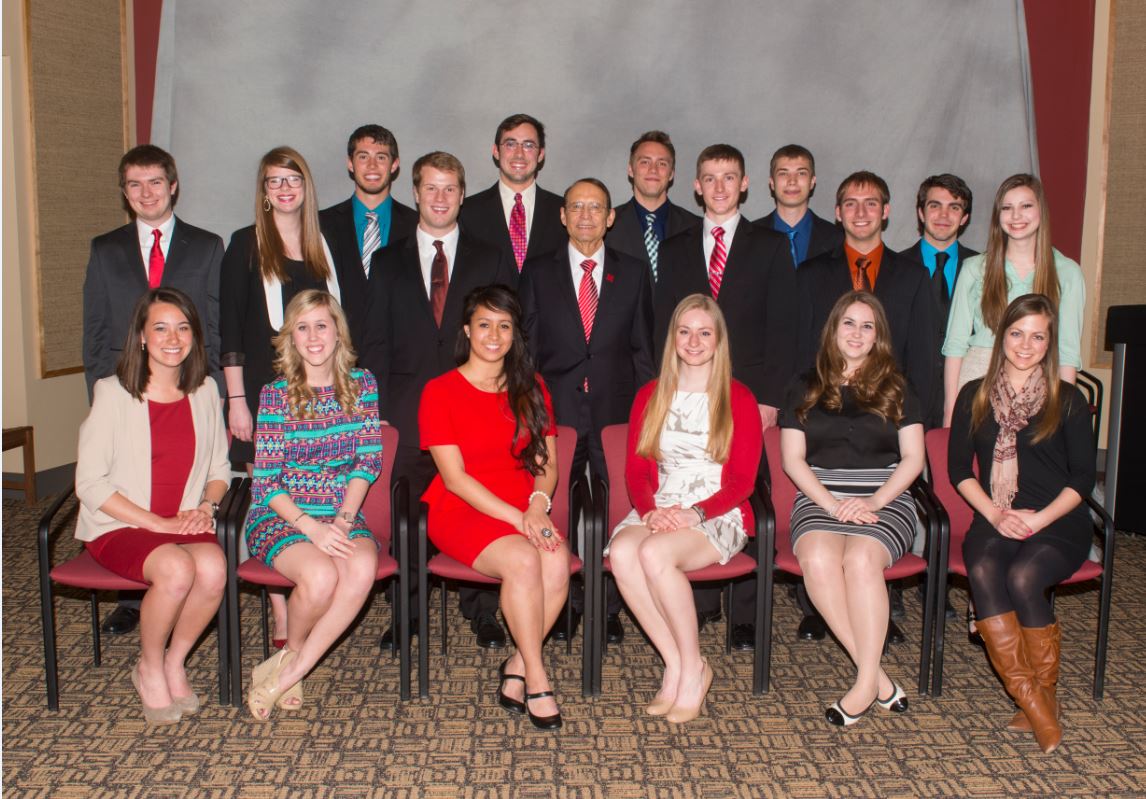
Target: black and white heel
column 897, row 702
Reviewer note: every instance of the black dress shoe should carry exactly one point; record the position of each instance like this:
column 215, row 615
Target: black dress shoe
column 488, row 631
column 120, row 621
column 542, row 722
column 894, row 634
column 895, row 599
column 614, row 630
column 743, row 637
column 388, row 643
column 812, row 628
column 563, row 631
column 704, row 617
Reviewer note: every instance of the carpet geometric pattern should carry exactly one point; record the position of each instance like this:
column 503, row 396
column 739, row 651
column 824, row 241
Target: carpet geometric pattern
column 354, row 738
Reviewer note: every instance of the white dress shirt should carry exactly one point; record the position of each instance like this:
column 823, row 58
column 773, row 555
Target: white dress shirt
column 147, row 239
column 528, row 199
column 575, row 259
column 709, row 240
column 427, row 251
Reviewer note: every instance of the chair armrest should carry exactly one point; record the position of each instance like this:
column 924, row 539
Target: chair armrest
column 926, row 505
column 44, row 531
column 236, row 514
column 1107, row 533
column 580, row 506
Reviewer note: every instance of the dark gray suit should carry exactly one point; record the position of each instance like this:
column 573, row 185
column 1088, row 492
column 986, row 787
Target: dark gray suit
column 117, row 277
column 826, row 236
column 627, row 235
column 483, row 217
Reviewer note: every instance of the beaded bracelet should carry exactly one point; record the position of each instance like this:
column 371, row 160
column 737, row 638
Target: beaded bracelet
column 548, row 501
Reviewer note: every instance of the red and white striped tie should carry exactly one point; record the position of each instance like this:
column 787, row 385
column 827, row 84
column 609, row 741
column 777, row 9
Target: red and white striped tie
column 587, row 301
column 716, row 262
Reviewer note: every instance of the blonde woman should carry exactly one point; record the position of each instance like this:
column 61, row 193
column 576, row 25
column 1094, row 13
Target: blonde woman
column 317, row 450
column 694, row 451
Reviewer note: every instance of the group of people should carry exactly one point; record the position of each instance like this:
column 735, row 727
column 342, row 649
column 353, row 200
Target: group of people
column 477, row 324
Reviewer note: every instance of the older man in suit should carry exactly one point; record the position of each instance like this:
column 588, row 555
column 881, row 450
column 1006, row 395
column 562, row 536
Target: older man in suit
column 369, row 220
column 748, row 269
column 155, row 249
column 417, row 289
column 792, row 181
column 642, row 223
column 516, row 215
column 588, row 320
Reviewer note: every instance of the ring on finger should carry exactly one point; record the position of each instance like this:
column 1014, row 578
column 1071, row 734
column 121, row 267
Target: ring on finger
column 546, row 532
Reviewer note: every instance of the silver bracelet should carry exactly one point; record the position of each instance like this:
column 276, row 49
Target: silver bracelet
column 700, row 512
column 548, row 501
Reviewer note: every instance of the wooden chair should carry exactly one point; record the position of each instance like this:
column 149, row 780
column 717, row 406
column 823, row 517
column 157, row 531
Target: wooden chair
column 22, row 437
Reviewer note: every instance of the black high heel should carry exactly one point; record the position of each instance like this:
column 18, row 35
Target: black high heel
column 542, row 722
column 973, row 631
column 508, row 702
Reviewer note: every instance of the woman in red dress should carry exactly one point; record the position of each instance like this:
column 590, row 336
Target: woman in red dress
column 489, row 427
column 151, row 471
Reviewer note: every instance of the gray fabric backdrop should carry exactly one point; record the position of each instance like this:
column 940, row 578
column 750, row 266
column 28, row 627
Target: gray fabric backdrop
column 901, row 87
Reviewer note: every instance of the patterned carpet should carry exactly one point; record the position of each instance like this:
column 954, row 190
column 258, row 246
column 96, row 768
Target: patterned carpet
column 355, row 738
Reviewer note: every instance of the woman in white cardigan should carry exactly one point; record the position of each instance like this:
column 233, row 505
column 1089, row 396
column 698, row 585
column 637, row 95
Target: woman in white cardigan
column 151, row 471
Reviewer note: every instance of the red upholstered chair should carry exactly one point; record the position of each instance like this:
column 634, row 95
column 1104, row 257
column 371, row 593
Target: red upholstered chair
column 81, row 571
column 571, row 503
column 386, row 514
column 954, row 516
column 613, row 505
column 783, row 497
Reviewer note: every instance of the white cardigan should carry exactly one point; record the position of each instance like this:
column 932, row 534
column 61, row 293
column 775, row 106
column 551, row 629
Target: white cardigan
column 115, row 453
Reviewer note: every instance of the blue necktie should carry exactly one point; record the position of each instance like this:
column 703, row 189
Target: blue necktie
column 792, row 246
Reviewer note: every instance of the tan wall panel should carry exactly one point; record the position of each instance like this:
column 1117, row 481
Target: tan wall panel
column 76, row 81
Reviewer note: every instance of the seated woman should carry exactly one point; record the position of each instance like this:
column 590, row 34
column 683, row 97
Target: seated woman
column 694, row 450
column 151, row 471
column 489, row 426
column 1031, row 434
column 317, row 450
column 852, row 442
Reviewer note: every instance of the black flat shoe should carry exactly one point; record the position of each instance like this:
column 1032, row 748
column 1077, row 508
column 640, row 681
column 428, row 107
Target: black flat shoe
column 897, row 702
column 812, row 628
column 614, row 630
column 542, row 722
column 508, row 702
column 839, row 717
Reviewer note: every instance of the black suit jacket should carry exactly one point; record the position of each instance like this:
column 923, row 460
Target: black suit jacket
column 617, row 359
column 117, row 277
column 942, row 304
column 337, row 223
column 404, row 348
column 483, row 217
column 903, row 287
column 756, row 298
column 627, row 235
column 826, row 236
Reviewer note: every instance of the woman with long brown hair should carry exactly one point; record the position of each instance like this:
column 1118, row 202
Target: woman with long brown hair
column 852, row 442
column 1031, row 435
column 694, row 451
column 1019, row 260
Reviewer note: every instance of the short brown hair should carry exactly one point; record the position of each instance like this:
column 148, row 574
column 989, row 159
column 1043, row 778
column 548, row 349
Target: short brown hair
column 148, row 155
column 657, row 137
column 133, row 369
column 443, row 162
column 720, row 152
column 792, row 151
column 864, row 178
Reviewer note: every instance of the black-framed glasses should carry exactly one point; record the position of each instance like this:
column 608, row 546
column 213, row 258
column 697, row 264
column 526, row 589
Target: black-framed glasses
column 276, row 182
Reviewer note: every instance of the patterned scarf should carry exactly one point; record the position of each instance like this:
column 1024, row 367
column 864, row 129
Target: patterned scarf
column 1013, row 411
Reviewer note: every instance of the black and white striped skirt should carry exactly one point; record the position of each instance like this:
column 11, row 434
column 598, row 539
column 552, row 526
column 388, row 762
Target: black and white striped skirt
column 897, row 520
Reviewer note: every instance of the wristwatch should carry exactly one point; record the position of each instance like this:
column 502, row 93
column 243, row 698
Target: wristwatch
column 214, row 508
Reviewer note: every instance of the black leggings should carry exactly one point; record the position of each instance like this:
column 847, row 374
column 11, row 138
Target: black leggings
column 1008, row 574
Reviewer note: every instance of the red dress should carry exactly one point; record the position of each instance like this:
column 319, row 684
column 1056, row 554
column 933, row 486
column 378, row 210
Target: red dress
column 481, row 425
column 124, row 551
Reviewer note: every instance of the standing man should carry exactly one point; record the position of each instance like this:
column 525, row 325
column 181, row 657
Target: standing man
column 588, row 320
column 646, row 220
column 155, row 249
column 515, row 214
column 748, row 270
column 415, row 309
column 792, row 181
column 366, row 222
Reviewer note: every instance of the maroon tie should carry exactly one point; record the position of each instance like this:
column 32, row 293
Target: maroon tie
column 716, row 262
column 155, row 261
column 439, row 283
column 517, row 230
column 587, row 302
column 862, row 264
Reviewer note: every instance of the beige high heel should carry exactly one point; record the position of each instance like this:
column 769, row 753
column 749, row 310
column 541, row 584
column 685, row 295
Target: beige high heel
column 169, row 714
column 680, row 715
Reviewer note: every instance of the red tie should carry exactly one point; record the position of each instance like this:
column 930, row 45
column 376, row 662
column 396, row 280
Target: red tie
column 716, row 262
column 155, row 262
column 439, row 283
column 517, row 230
column 587, row 302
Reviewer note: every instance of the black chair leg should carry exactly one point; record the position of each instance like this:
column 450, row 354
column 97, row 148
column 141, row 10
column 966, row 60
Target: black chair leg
column 266, row 625
column 224, row 654
column 445, row 609
column 96, row 652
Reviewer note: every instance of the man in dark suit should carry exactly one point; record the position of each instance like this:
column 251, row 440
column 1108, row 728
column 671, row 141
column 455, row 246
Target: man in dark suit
column 515, row 214
column 155, row 249
column 417, row 289
column 792, row 181
column 588, row 320
column 642, row 223
column 366, row 222
column 748, row 269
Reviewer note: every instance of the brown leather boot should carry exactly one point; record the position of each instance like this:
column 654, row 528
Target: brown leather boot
column 1008, row 653
column 1043, row 645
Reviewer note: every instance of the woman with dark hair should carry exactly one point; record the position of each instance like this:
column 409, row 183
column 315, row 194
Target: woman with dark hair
column 852, row 442
column 489, row 426
column 151, row 471
column 1030, row 432
column 265, row 266
column 1019, row 260
column 694, row 451
column 317, row 450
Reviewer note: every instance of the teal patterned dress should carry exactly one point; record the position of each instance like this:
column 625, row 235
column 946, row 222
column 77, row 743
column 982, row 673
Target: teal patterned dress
column 312, row 460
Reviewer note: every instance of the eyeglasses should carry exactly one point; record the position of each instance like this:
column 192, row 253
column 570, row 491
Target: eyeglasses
column 594, row 209
column 294, row 181
column 528, row 145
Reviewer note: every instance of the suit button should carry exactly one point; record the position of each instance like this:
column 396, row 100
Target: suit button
column 589, row 357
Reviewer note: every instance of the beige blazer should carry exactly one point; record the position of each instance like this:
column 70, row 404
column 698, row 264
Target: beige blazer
column 115, row 453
